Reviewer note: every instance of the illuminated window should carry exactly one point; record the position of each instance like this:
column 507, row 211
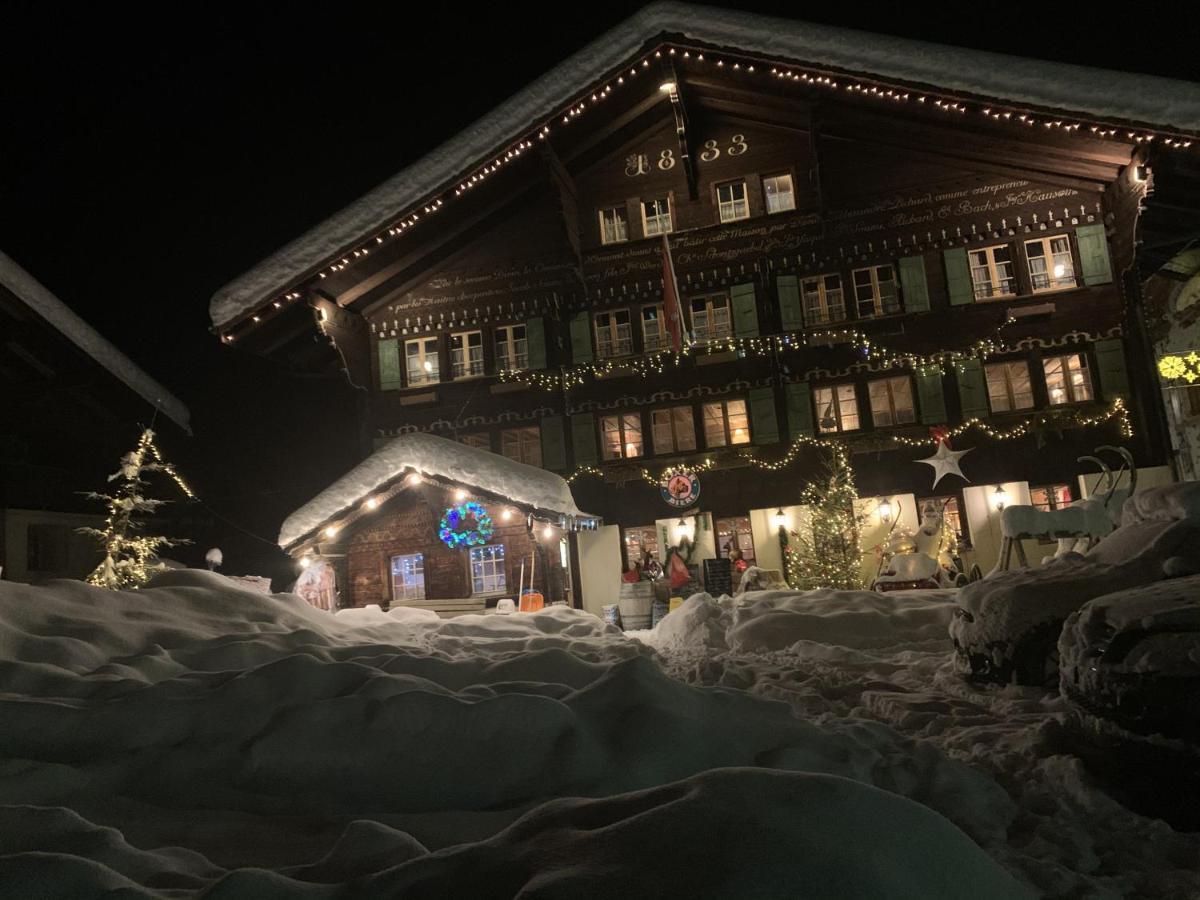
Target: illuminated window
column 466, row 354
column 778, row 191
column 837, row 407
column 480, row 439
column 487, row 569
column 735, row 533
column 948, row 506
column 726, row 423
column 1050, row 265
column 639, row 540
column 408, row 577
column 512, row 348
column 522, row 445
column 614, row 227
column 710, row 317
column 613, row 334
column 1067, row 379
column 674, row 429
column 1009, row 386
column 875, row 291
column 731, row 201
column 656, row 217
column 823, row 302
column 1050, row 496
column 891, row 401
column 654, row 328
column 621, row 436
column 421, row 358
column 992, row 272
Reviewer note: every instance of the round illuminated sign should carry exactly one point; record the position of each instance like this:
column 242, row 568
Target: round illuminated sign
column 680, row 488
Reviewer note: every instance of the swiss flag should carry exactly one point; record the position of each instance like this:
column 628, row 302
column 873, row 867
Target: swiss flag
column 672, row 309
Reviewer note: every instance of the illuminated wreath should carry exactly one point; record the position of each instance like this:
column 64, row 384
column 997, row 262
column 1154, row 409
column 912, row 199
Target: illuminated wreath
column 455, row 516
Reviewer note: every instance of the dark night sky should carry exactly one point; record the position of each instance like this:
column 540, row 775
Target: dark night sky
column 149, row 158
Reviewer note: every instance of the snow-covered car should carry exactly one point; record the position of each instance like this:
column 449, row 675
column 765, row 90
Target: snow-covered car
column 1130, row 675
column 1006, row 627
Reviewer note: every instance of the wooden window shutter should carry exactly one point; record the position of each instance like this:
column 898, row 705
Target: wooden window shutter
column 930, row 396
column 788, row 289
column 745, row 309
column 799, row 408
column 554, row 448
column 763, row 423
column 583, row 439
column 972, row 389
column 958, row 276
column 1110, row 365
column 581, row 337
column 389, row 365
column 535, row 342
column 913, row 283
column 1093, row 254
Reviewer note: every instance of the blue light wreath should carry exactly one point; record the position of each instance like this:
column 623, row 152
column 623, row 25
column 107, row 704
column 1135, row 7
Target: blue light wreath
column 452, row 537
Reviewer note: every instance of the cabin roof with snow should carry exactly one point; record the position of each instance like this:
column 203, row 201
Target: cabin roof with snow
column 440, row 459
column 1099, row 95
column 30, row 293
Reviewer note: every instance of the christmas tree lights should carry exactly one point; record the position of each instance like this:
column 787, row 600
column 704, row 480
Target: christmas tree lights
column 825, row 550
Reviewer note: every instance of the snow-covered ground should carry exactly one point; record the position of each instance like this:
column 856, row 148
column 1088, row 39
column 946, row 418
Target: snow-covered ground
column 199, row 738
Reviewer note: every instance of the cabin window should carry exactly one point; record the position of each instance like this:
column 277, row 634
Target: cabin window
column 779, row 193
column 640, row 540
column 656, row 217
column 726, row 423
column 837, row 407
column 487, row 569
column 875, row 291
column 408, row 577
column 654, row 328
column 731, row 201
column 710, row 317
column 1067, row 379
column 421, row 358
column 674, row 429
column 523, row 445
column 891, row 401
column 466, row 354
column 614, row 226
column 480, row 440
column 823, row 301
column 1009, row 386
column 621, row 436
column 948, row 506
column 614, row 337
column 735, row 534
column 1051, row 267
column 512, row 348
column 992, row 272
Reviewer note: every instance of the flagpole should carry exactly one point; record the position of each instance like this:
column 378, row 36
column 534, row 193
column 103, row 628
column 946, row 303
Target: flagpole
column 674, row 289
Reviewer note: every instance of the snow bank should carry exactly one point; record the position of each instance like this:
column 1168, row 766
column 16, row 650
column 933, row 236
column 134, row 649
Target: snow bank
column 437, row 457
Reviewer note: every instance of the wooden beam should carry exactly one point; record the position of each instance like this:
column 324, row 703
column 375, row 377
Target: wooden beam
column 676, row 93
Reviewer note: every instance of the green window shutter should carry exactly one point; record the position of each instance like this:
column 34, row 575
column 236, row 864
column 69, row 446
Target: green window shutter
column 799, row 408
column 930, row 396
column 958, row 276
column 912, row 281
column 745, row 309
column 764, row 428
column 1110, row 366
column 389, row 365
column 581, row 337
column 554, row 448
column 788, row 289
column 535, row 342
column 1093, row 254
column 972, row 389
column 583, row 439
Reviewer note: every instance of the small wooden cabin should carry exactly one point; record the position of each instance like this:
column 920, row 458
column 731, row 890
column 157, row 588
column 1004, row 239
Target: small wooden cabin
column 432, row 523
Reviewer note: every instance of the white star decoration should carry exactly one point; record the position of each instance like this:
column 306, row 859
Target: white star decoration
column 945, row 462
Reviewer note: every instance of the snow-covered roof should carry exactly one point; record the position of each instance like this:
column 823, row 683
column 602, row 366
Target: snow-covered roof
column 436, row 457
column 33, row 294
column 1105, row 94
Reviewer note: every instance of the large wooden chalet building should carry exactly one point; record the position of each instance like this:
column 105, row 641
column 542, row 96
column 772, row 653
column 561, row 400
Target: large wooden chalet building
column 873, row 239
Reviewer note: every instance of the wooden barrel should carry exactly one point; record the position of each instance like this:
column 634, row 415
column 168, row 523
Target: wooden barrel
column 635, row 601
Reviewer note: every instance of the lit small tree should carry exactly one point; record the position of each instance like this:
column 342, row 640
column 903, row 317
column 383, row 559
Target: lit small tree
column 825, row 550
column 128, row 555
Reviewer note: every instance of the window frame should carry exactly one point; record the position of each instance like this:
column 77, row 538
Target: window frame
column 1070, row 279
column 396, row 597
column 877, row 298
column 511, row 359
column 670, row 216
column 709, row 309
column 480, row 440
column 622, row 420
column 889, row 382
column 519, row 433
column 748, row 553
column 732, row 203
column 963, row 532
column 836, row 406
column 660, row 341
column 620, row 224
column 791, row 193
column 496, row 561
column 641, row 531
column 728, row 433
column 994, row 280
column 1069, row 387
column 615, row 344
column 471, row 369
column 675, row 429
column 1010, row 391
column 431, row 375
column 822, row 296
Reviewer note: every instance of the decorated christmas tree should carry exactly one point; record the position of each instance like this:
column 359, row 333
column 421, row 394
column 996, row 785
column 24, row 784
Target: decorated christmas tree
column 129, row 556
column 825, row 550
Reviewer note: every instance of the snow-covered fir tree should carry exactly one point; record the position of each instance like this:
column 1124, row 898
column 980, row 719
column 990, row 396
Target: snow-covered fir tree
column 129, row 556
column 825, row 550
